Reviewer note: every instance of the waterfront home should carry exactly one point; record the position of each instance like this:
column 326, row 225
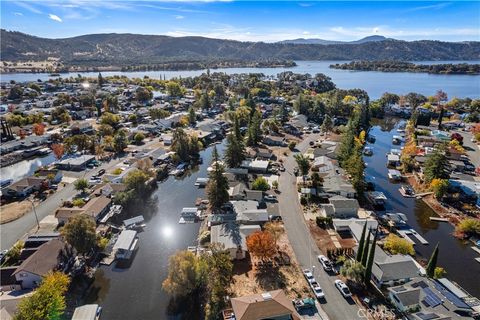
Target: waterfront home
column 87, row 312
column 252, row 216
column 389, row 270
column 273, row 305
column 336, row 183
column 49, row 257
column 428, row 298
column 95, row 208
column 237, row 190
column 469, row 190
column 232, row 236
column 109, row 189
column 255, row 166
column 53, row 175
column 340, row 207
column 354, row 226
column 126, row 244
column 26, row 143
column 323, row 165
column 24, row 187
column 75, row 164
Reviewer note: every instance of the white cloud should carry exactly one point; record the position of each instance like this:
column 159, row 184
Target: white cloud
column 429, row 7
column 18, row 14
column 179, row 17
column 54, row 17
column 28, row 7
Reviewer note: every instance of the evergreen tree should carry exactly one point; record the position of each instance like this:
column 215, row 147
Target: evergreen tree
column 432, row 263
column 235, row 151
column 254, row 131
column 365, row 249
column 217, row 187
column 371, row 256
column 192, row 117
column 436, row 165
column 101, row 81
column 361, row 243
column 327, row 124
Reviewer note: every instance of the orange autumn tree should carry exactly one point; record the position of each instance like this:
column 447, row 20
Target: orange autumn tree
column 261, row 244
column 38, row 129
column 58, row 150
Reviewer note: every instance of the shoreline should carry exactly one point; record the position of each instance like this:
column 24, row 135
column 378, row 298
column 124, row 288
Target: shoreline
column 180, row 66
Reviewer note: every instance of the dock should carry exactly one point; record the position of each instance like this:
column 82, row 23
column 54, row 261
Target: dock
column 420, row 195
column 404, row 234
column 476, row 249
column 477, row 259
column 440, row 219
column 419, row 237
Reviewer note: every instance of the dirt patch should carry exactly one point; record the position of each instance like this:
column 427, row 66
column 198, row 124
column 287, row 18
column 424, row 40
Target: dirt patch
column 252, row 276
column 12, row 211
column 324, row 240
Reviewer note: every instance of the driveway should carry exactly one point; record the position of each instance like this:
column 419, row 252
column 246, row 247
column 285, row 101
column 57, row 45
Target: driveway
column 303, row 245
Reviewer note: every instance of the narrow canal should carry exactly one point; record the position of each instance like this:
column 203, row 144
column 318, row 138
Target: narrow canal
column 455, row 256
column 135, row 292
column 25, row 168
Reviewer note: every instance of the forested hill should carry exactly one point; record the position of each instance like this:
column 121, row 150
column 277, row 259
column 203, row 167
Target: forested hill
column 128, row 49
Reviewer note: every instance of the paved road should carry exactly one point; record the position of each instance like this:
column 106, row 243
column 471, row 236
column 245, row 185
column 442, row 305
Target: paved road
column 303, row 245
column 12, row 231
column 16, row 229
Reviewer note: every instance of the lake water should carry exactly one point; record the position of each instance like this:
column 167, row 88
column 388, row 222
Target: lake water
column 375, row 83
column 454, row 255
column 25, row 168
column 136, row 292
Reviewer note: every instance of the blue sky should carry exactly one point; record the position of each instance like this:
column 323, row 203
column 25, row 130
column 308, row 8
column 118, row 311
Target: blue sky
column 247, row 20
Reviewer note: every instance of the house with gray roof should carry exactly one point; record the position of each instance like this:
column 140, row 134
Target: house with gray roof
column 48, row 257
column 392, row 269
column 233, row 237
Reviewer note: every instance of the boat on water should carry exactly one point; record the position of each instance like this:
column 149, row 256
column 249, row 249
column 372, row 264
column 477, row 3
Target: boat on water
column 371, row 138
column 368, row 151
column 126, row 244
column 201, row 182
column 179, row 170
column 5, row 183
column 376, row 198
column 397, row 139
column 394, row 175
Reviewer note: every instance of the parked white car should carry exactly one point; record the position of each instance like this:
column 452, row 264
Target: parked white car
column 308, row 275
column 343, row 288
column 270, row 197
column 317, row 290
column 326, row 263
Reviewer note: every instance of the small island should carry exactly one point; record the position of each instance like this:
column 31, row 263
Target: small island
column 401, row 66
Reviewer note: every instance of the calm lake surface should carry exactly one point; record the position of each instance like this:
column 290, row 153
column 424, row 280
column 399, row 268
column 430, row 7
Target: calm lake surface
column 135, row 292
column 454, row 255
column 375, row 83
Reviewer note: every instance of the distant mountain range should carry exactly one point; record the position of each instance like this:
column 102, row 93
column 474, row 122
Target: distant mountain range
column 119, row 50
column 326, row 42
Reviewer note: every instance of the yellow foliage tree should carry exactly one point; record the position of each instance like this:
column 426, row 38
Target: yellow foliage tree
column 396, row 245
